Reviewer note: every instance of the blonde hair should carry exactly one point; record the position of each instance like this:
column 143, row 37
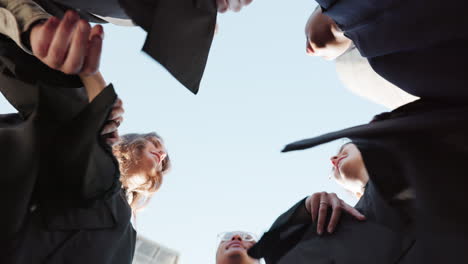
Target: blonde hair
column 128, row 152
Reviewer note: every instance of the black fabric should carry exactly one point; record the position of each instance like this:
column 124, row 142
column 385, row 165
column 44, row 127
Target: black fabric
column 20, row 65
column 104, row 8
column 418, row 45
column 430, row 147
column 58, row 9
column 180, row 32
column 383, row 238
column 423, row 117
column 384, row 166
column 64, row 201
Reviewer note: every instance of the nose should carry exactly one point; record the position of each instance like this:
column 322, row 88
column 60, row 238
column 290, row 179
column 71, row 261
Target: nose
column 334, row 160
column 236, row 237
column 162, row 155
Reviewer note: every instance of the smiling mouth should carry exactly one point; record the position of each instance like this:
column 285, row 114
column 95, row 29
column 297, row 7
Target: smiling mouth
column 235, row 244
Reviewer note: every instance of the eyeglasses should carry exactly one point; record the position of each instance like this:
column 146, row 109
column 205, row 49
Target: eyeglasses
column 245, row 236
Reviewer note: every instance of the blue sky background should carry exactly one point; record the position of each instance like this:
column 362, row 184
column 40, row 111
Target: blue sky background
column 260, row 91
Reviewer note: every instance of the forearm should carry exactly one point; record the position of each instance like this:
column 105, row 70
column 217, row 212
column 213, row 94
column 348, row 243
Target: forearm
column 94, row 84
column 17, row 17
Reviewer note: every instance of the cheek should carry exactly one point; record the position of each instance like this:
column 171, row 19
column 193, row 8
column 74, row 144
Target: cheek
column 347, row 167
column 350, row 167
column 147, row 162
column 248, row 244
column 220, row 251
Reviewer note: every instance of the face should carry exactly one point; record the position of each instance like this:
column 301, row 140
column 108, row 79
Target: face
column 233, row 249
column 349, row 169
column 151, row 157
column 324, row 38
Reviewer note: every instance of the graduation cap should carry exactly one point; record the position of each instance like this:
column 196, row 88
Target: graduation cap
column 180, row 32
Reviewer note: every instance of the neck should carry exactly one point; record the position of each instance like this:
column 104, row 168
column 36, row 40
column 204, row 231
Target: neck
column 360, row 183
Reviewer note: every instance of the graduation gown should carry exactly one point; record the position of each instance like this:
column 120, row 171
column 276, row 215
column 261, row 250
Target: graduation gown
column 429, row 144
column 385, row 237
column 65, row 203
column 418, row 45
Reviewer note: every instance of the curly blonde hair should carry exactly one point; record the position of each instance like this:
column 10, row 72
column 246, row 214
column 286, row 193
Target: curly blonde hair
column 128, row 152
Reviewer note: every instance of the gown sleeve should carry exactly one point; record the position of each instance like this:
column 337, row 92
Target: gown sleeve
column 77, row 166
column 17, row 17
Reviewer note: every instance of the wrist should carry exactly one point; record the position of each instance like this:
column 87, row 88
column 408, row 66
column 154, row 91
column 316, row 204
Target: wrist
column 94, row 84
column 26, row 36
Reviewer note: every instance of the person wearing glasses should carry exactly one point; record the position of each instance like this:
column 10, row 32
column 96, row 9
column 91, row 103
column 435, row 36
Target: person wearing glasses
column 321, row 210
column 233, row 246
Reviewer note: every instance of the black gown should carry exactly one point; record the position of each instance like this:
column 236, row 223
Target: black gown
column 418, row 45
column 386, row 236
column 430, row 145
column 65, row 202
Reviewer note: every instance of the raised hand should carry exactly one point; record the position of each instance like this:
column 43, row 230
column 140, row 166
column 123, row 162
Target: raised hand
column 69, row 45
column 110, row 130
column 324, row 38
column 318, row 203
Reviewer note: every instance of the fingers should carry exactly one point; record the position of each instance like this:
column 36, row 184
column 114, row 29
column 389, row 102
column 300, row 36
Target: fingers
column 246, row 2
column 115, row 118
column 75, row 59
column 112, row 138
column 335, row 203
column 116, row 113
column 322, row 212
column 92, row 60
column 62, row 38
column 222, row 5
column 69, row 45
column 117, row 110
column 118, row 102
column 110, row 127
column 314, row 203
column 42, row 35
column 234, row 5
column 318, row 204
column 353, row 211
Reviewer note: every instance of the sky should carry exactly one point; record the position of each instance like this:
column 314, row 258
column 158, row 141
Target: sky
column 260, row 91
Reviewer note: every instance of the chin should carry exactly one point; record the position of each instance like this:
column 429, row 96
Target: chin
column 329, row 58
column 235, row 251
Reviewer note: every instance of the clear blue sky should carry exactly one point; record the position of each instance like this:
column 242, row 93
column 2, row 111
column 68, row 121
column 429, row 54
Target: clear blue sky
column 260, row 91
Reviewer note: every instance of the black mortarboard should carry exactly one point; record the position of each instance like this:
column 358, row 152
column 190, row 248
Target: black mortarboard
column 180, row 33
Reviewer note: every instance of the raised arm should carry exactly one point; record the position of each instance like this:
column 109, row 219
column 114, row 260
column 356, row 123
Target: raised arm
column 60, row 44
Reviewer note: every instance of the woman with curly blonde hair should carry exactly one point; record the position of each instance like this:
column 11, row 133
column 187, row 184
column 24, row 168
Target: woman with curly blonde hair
column 143, row 161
